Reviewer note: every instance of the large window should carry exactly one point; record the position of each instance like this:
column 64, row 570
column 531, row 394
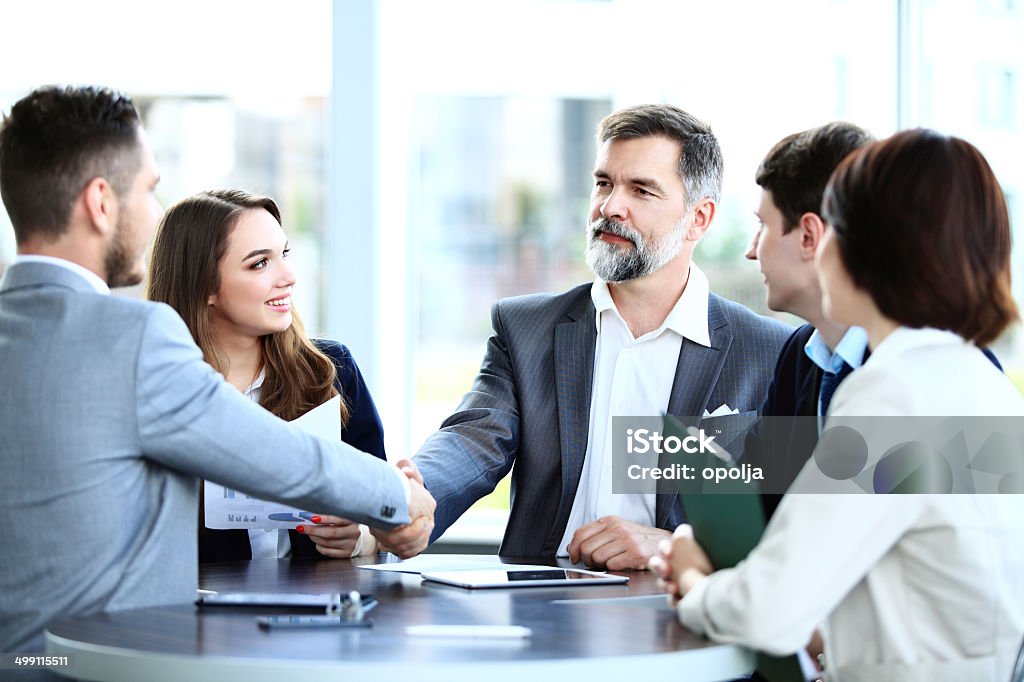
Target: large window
column 233, row 94
column 222, row 142
column 503, row 189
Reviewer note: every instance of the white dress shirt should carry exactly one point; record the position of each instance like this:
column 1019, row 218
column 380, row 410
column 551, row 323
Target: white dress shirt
column 912, row 587
column 632, row 377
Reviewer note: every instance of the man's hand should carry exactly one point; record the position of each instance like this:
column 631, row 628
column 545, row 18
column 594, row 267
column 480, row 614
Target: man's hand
column 334, row 537
column 408, row 541
column 615, row 544
column 408, row 467
column 681, row 563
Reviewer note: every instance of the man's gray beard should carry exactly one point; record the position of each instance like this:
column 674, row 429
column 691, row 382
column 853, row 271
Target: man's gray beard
column 619, row 263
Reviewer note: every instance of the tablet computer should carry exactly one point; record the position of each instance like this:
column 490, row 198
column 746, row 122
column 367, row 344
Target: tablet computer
column 539, row 577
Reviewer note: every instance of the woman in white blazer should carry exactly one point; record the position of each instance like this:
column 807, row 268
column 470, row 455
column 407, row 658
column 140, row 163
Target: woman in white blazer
column 911, row 586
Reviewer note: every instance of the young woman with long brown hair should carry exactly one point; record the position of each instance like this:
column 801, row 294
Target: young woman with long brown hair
column 220, row 260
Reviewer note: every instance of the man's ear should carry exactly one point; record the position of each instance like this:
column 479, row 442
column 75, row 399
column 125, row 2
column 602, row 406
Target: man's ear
column 812, row 231
column 703, row 214
column 100, row 204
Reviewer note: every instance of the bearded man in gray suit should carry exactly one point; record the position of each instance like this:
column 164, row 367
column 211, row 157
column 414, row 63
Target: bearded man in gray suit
column 108, row 414
column 645, row 337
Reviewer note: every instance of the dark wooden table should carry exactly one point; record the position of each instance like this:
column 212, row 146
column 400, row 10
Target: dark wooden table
column 586, row 633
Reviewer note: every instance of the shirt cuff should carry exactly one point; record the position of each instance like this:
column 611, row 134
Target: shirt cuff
column 690, row 608
column 366, row 544
column 807, row 666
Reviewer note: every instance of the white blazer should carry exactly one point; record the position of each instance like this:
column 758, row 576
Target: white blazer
column 911, row 587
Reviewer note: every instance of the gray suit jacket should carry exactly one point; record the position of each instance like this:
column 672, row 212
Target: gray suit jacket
column 108, row 416
column 530, row 405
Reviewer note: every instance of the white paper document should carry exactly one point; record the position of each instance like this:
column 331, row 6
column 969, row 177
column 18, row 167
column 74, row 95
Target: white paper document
column 227, row 508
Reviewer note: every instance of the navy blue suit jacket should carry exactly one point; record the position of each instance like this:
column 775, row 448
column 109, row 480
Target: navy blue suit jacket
column 364, row 431
column 782, row 446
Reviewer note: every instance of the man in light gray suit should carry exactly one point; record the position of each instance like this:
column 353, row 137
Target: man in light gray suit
column 108, row 413
column 645, row 337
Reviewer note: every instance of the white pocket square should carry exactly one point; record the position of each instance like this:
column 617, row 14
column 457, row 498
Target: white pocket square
column 720, row 411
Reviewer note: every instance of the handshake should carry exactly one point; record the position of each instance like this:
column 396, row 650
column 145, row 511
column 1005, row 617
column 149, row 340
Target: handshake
column 408, row 541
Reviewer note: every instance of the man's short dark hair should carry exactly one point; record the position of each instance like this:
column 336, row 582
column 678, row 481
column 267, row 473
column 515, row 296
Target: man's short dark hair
column 700, row 159
column 52, row 143
column 922, row 225
column 797, row 168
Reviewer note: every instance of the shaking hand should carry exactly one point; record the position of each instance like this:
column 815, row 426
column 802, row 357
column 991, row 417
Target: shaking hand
column 408, row 541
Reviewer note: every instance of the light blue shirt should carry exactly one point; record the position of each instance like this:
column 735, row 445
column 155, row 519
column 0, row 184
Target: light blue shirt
column 850, row 350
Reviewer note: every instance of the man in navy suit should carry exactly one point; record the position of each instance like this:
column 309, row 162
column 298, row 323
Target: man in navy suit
column 818, row 355
column 646, row 337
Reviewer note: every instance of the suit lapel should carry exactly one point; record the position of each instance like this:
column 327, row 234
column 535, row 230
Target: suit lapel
column 575, row 343
column 697, row 372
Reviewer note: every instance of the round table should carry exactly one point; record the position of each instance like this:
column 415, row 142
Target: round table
column 581, row 633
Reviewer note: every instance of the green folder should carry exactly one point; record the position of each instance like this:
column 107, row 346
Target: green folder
column 727, row 524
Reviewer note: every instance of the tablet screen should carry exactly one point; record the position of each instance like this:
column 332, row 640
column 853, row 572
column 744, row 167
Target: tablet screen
column 553, row 574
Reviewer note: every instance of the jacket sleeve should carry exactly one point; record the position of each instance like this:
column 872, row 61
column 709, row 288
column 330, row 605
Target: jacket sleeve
column 773, row 600
column 476, row 446
column 191, row 420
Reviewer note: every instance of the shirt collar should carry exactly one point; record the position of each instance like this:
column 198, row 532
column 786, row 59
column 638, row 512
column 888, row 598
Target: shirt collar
column 94, row 280
column 688, row 317
column 257, row 385
column 850, row 350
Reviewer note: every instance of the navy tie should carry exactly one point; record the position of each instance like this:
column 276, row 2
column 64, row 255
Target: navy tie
column 829, row 383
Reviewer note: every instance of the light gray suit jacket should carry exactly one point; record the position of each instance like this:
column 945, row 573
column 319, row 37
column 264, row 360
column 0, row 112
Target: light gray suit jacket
column 530, row 405
column 109, row 416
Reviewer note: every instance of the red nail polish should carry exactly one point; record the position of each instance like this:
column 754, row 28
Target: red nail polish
column 315, row 519
column 300, row 529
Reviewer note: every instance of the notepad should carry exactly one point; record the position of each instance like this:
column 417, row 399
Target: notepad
column 226, row 508
column 728, row 524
